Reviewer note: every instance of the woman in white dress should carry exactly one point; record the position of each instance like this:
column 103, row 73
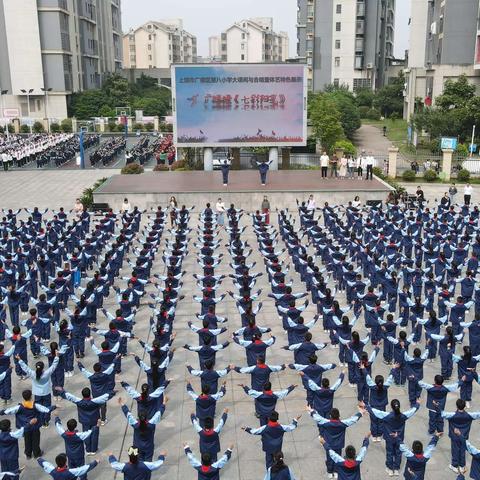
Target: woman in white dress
column 220, row 209
column 343, row 167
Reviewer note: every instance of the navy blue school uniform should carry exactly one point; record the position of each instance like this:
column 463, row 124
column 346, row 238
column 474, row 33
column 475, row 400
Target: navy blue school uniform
column 475, row 466
column 255, row 349
column 393, row 433
column 266, row 400
column 205, row 404
column 348, row 469
column 259, row 373
column 9, row 450
column 6, row 383
column 210, row 472
column 417, row 463
column 272, row 437
column 303, row 351
column 333, row 431
column 74, row 444
column 149, row 404
column 209, row 438
column 88, row 410
column 462, row 421
column 144, row 435
column 378, row 398
column 206, row 353
column 473, row 335
column 414, row 372
column 314, row 372
column 66, row 473
column 136, row 471
column 323, row 397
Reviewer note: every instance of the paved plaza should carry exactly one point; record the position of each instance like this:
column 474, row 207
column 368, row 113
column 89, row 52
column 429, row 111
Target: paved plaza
column 303, row 452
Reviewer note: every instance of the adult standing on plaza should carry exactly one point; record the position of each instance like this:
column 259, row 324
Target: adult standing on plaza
column 173, row 209
column 334, row 166
column 467, row 194
column 263, row 168
column 4, row 158
column 420, row 196
column 343, row 167
column 452, row 191
column 351, row 166
column 220, row 209
column 324, row 161
column 126, row 207
column 370, row 162
column 266, row 209
column 360, row 164
column 78, row 208
column 225, row 166
column 311, row 203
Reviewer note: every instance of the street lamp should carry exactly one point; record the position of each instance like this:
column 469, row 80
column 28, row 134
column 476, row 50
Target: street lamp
column 28, row 93
column 2, row 93
column 45, row 104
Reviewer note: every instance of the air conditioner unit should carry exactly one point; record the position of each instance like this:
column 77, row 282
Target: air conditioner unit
column 369, row 66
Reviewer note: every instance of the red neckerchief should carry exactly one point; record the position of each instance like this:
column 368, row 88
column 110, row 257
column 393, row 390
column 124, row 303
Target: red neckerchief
column 419, row 455
column 350, row 463
column 208, row 431
column 272, row 424
column 61, row 469
column 267, row 392
column 69, row 433
column 257, row 342
column 205, row 468
column 261, row 365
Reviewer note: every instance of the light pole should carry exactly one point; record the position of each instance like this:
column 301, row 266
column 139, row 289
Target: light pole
column 2, row 93
column 28, row 93
column 45, row 104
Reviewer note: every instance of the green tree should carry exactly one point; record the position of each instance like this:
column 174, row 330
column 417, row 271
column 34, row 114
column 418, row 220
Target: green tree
column 389, row 99
column 364, row 97
column 325, row 120
column 456, row 94
column 86, row 104
column 349, row 114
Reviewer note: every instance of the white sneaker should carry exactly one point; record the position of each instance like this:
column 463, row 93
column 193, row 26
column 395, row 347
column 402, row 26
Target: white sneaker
column 396, row 473
column 390, row 472
column 454, row 469
column 467, row 404
column 330, row 475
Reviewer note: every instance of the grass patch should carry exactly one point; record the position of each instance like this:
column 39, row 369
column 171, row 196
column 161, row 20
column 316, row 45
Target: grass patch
column 396, row 129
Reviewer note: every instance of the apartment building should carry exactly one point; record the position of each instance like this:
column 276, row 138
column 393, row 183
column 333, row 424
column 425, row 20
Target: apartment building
column 158, row 44
column 346, row 42
column 63, row 46
column 444, row 44
column 253, row 41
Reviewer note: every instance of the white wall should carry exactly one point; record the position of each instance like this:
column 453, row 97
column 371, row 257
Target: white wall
column 418, row 34
column 255, row 45
column 24, row 52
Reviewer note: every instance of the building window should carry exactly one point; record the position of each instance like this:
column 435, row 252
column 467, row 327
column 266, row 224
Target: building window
column 242, row 56
column 337, row 61
column 339, row 8
column 243, row 46
column 336, row 82
column 149, row 37
column 243, row 36
column 338, row 26
column 149, row 47
column 337, row 44
column 149, row 57
column 358, row 62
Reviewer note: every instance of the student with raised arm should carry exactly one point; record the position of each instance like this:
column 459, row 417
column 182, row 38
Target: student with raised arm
column 266, row 399
column 417, row 458
column 206, row 468
column 348, row 468
column 323, row 394
column 394, row 433
column 462, row 421
column 62, row 471
column 333, row 431
column 272, row 435
column 74, row 442
column 209, row 435
column 206, row 402
column 135, row 469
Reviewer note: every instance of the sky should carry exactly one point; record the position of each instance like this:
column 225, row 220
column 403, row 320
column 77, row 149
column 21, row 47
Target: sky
column 205, row 18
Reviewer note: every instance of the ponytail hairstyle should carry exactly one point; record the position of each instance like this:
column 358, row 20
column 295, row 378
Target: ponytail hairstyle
column 449, row 333
column 395, row 404
column 133, row 454
column 355, row 338
column 53, row 348
column 345, row 321
column 278, row 463
column 144, row 392
column 39, row 366
column 433, row 317
column 379, row 382
column 143, row 424
column 467, row 354
column 155, row 374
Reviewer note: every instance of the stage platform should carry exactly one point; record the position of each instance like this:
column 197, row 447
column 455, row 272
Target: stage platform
column 244, row 189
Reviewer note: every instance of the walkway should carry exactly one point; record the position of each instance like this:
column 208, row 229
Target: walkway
column 371, row 139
